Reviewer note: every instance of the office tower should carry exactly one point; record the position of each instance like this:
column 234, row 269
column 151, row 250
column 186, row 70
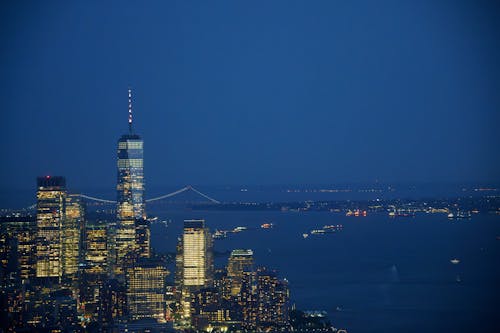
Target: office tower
column 21, row 232
column 146, row 290
column 96, row 248
column 143, row 238
column 51, row 202
column 8, row 266
column 130, row 191
column 238, row 262
column 197, row 254
column 197, row 262
column 71, row 235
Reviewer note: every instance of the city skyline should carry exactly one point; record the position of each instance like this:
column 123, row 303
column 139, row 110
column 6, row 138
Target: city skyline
column 306, row 92
column 241, row 167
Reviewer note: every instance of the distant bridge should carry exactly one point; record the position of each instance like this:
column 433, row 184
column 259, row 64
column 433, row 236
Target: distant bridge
column 161, row 197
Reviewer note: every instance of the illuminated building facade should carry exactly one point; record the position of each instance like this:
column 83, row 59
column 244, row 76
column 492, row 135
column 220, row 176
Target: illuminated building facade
column 197, row 254
column 96, row 248
column 146, row 290
column 197, row 261
column 72, row 228
column 238, row 262
column 130, row 191
column 143, row 238
column 272, row 300
column 51, row 203
column 19, row 231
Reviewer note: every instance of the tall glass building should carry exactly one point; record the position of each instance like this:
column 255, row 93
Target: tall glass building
column 71, row 231
column 130, row 191
column 50, row 215
column 197, row 262
column 146, row 290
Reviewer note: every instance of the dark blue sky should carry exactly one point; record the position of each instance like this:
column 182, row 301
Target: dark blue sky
column 251, row 92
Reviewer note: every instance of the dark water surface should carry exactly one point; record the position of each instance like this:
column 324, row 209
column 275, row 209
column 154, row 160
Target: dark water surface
column 379, row 274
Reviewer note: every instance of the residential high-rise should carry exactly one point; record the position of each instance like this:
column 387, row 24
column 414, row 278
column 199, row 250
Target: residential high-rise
column 272, row 300
column 146, row 290
column 71, row 235
column 130, row 191
column 51, row 203
column 238, row 262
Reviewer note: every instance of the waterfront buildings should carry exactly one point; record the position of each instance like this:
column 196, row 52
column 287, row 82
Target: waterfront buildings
column 239, row 261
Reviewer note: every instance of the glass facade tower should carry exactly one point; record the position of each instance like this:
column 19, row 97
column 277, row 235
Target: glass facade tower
column 50, row 215
column 130, row 192
column 71, row 234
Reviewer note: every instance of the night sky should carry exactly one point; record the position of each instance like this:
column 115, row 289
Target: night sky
column 251, row 92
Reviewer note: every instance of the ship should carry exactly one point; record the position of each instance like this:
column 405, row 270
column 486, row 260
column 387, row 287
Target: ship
column 266, row 225
column 219, row 234
column 454, row 261
column 356, row 213
column 327, row 229
column 238, row 229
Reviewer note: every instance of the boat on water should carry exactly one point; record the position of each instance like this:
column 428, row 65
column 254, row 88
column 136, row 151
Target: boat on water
column 238, row 229
column 327, row 229
column 266, row 225
column 455, row 261
column 305, row 235
column 333, row 227
column 460, row 215
column 356, row 212
column 219, row 234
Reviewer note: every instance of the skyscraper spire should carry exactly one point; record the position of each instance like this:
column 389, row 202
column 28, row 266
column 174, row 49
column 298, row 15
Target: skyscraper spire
column 130, row 110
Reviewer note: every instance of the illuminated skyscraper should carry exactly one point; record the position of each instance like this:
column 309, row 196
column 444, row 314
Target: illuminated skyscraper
column 146, row 290
column 130, row 190
column 197, row 261
column 72, row 228
column 51, row 202
column 96, row 248
column 240, row 261
column 197, row 256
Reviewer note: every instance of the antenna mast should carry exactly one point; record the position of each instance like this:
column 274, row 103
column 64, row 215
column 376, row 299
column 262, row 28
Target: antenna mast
column 130, row 110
